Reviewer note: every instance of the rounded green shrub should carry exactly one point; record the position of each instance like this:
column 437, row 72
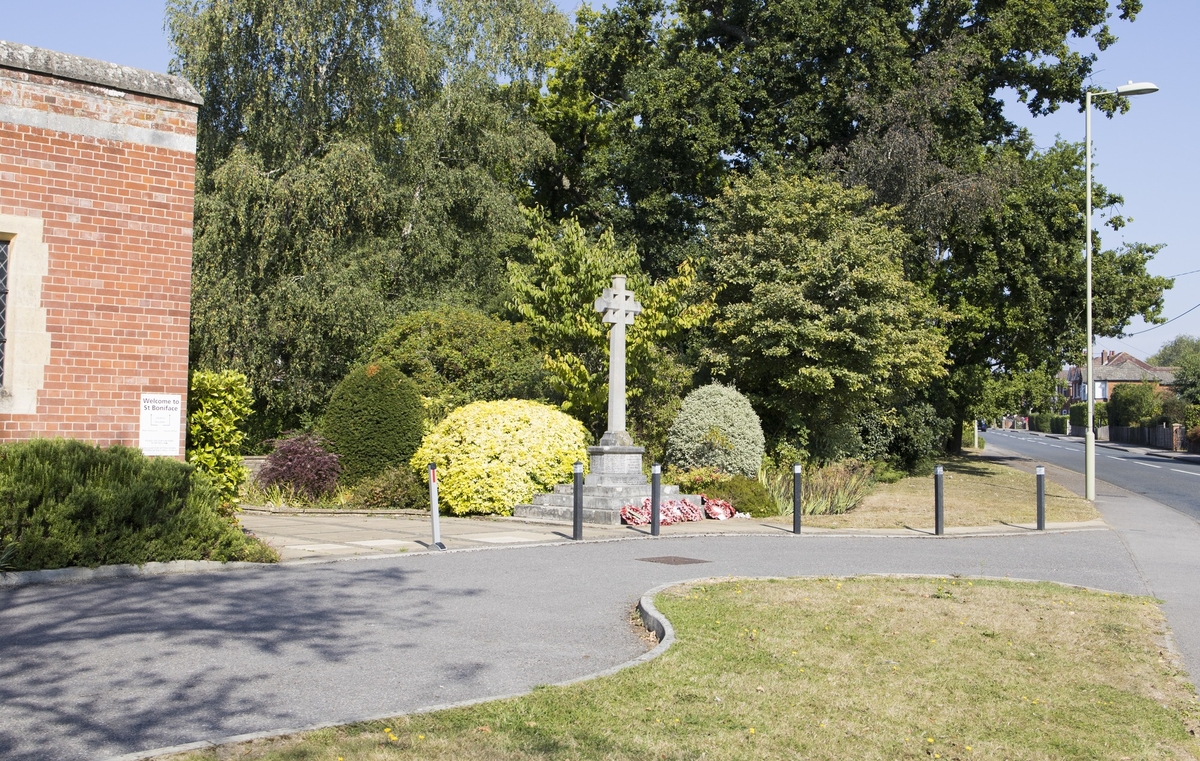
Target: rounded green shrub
column 747, row 495
column 494, row 455
column 457, row 356
column 716, row 428
column 374, row 421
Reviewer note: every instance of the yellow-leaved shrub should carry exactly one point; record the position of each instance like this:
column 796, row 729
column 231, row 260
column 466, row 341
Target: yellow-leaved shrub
column 494, row 455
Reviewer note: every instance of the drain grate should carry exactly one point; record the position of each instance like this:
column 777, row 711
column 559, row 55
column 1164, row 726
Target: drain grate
column 673, row 560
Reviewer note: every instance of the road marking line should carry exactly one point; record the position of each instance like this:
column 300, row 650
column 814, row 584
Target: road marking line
column 1148, row 465
column 1189, row 472
column 1056, row 446
column 1113, row 458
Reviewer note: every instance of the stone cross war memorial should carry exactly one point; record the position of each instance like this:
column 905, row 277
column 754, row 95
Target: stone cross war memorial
column 616, row 477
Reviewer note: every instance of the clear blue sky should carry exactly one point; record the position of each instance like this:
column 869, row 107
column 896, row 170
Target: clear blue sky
column 1147, row 155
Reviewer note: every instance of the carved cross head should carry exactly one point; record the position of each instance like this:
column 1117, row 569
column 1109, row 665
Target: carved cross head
column 618, row 305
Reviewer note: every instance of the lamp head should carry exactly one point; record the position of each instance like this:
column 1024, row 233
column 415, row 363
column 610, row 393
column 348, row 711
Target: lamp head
column 1137, row 88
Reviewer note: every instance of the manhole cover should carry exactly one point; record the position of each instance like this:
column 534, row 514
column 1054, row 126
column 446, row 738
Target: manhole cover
column 673, row 560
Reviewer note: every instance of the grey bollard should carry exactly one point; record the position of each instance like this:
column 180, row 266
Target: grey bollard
column 797, row 496
column 433, row 507
column 577, row 532
column 939, row 506
column 1041, row 496
column 655, row 499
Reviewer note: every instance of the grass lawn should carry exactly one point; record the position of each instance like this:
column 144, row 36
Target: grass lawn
column 863, row 668
column 978, row 493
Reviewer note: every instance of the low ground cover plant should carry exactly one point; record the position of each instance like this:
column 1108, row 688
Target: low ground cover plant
column 746, row 495
column 68, row 503
column 398, row 488
column 494, row 455
column 835, row 668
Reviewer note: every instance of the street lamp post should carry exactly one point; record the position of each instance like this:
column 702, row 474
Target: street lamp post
column 1133, row 88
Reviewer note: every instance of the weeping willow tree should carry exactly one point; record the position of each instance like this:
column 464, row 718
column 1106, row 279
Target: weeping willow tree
column 355, row 158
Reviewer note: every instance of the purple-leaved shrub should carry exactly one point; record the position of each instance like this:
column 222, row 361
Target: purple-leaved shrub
column 302, row 464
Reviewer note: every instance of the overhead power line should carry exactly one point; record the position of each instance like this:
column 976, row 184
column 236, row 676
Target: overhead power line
column 1168, row 322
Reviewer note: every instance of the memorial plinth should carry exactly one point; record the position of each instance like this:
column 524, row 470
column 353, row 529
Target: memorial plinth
column 615, row 478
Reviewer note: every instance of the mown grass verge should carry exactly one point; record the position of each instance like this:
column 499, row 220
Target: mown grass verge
column 979, row 492
column 864, row 668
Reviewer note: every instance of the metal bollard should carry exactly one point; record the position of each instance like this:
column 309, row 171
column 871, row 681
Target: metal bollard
column 433, row 507
column 1041, row 494
column 577, row 531
column 939, row 507
column 655, row 499
column 797, row 496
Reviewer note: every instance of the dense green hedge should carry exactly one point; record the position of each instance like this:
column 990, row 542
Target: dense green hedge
column 373, row 422
column 1079, row 414
column 67, row 503
column 1059, row 423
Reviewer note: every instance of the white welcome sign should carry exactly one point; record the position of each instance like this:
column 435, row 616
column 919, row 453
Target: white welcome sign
column 160, row 427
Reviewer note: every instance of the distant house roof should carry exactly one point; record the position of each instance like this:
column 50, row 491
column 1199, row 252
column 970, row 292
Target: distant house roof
column 88, row 70
column 1121, row 366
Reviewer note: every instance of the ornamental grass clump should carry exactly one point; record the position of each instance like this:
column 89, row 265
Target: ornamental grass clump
column 302, row 465
column 494, row 455
column 837, row 488
column 374, row 421
column 716, row 428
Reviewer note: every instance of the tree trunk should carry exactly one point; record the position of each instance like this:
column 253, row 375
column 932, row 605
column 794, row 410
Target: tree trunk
column 955, row 444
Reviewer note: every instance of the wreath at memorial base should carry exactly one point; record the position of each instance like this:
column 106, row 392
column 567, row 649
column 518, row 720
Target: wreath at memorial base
column 671, row 511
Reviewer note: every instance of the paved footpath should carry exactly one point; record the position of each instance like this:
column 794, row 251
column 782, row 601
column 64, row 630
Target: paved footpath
column 107, row 668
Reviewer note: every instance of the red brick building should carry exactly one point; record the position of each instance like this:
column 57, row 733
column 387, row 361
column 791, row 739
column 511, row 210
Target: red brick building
column 97, row 167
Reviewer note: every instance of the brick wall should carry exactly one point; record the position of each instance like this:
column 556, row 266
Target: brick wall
column 109, row 174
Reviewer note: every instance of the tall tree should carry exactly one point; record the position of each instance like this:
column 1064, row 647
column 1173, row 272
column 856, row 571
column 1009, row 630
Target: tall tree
column 356, row 158
column 816, row 322
column 1175, row 351
column 695, row 89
